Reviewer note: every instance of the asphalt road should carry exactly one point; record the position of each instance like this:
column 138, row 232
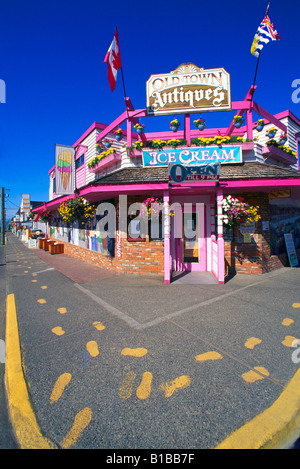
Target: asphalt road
column 125, row 362
column 7, row 440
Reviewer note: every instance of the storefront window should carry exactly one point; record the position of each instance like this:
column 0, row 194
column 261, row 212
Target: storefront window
column 284, row 218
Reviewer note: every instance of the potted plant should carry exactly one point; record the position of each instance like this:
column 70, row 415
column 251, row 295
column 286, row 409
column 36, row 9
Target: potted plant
column 271, row 132
column 238, row 121
column 174, row 125
column 118, row 134
column 107, row 142
column 260, row 125
column 200, row 123
column 139, row 128
column 283, row 138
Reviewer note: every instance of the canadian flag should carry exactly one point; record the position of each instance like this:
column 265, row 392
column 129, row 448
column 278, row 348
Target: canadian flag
column 113, row 60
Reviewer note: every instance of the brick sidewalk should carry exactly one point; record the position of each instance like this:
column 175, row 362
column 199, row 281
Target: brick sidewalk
column 77, row 270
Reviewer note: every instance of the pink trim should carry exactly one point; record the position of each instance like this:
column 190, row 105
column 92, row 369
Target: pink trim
column 95, row 125
column 54, row 203
column 167, row 242
column 257, row 108
column 81, row 149
column 187, row 128
column 50, row 170
column 260, row 183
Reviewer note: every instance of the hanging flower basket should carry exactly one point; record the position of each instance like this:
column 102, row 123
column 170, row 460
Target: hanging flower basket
column 46, row 216
column 238, row 121
column 260, row 125
column 77, row 209
column 174, row 125
column 151, row 208
column 236, row 211
column 139, row 128
column 107, row 143
column 271, row 132
column 118, row 134
column 200, row 124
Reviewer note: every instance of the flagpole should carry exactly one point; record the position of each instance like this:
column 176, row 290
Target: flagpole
column 255, row 75
column 123, row 81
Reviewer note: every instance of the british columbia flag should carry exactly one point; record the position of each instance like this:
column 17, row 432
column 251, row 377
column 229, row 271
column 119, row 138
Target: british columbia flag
column 264, row 34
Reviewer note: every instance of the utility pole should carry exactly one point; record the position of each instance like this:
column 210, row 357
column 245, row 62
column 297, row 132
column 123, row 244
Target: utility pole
column 2, row 216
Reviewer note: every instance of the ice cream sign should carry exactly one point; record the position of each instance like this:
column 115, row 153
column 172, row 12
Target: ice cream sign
column 64, row 161
column 188, row 89
column 194, row 155
column 196, row 173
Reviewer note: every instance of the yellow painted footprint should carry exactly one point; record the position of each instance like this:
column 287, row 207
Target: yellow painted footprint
column 60, row 386
column 81, row 421
column 251, row 376
column 58, row 330
column 125, row 390
column 179, row 383
column 134, row 352
column 92, row 348
column 144, row 389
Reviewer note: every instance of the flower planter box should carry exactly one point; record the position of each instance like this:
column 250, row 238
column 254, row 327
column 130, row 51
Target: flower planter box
column 41, row 242
column 106, row 161
column 56, row 248
column 279, row 155
column 46, row 244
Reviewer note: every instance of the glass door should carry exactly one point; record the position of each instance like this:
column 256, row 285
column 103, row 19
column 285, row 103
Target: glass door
column 190, row 245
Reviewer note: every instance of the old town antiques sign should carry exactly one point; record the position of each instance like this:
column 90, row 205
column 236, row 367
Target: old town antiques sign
column 188, row 89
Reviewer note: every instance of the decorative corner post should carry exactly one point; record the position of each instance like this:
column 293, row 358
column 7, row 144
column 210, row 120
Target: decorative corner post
column 167, row 241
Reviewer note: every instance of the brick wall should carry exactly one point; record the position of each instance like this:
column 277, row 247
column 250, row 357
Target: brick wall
column 140, row 257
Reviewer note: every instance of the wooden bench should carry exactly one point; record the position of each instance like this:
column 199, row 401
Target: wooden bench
column 56, row 248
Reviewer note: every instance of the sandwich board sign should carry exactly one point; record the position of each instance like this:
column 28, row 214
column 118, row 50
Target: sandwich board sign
column 291, row 251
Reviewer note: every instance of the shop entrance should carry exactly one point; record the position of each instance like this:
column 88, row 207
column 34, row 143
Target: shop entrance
column 188, row 243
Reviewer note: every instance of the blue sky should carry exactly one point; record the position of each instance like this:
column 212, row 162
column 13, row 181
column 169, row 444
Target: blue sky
column 51, row 59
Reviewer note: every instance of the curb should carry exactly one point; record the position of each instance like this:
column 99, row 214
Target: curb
column 275, row 428
column 22, row 416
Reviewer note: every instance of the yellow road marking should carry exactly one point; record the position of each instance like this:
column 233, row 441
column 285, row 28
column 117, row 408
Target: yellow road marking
column 44, row 287
column 21, row 413
column 81, row 421
column 296, row 305
column 58, row 330
column 144, row 389
column 179, row 383
column 59, row 386
column 288, row 341
column 272, row 428
column 134, row 352
column 287, row 322
column 208, row 356
column 98, row 325
column 251, row 376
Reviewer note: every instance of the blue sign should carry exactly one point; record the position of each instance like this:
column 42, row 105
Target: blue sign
column 203, row 172
column 193, row 156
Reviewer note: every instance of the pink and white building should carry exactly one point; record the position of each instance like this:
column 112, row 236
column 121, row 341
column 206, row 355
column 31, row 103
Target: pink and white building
column 253, row 166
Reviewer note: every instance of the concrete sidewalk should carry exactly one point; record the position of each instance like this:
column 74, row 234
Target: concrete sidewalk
column 118, row 361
